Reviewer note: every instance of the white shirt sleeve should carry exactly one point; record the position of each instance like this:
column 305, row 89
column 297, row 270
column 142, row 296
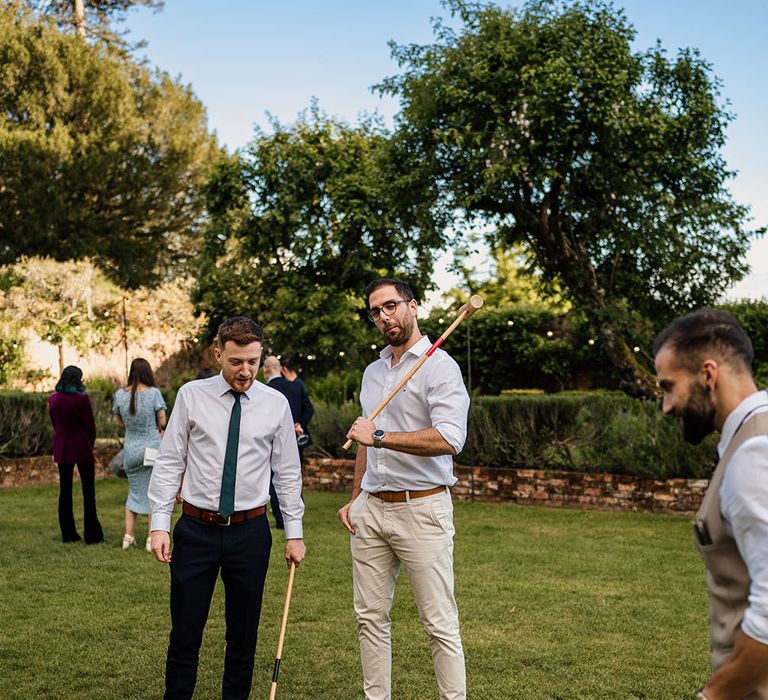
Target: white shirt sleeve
column 169, row 466
column 286, row 468
column 744, row 505
column 448, row 402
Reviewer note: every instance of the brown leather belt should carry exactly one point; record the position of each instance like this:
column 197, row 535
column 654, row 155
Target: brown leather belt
column 209, row 516
column 402, row 496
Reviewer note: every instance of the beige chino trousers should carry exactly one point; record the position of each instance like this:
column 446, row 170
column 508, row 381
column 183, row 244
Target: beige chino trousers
column 417, row 535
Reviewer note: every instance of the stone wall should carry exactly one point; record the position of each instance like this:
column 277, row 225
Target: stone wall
column 26, row 471
column 524, row 486
column 540, row 487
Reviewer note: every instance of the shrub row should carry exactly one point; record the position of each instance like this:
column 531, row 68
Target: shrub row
column 589, row 432
column 25, row 428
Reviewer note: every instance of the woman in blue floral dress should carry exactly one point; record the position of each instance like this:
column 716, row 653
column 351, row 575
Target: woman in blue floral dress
column 140, row 408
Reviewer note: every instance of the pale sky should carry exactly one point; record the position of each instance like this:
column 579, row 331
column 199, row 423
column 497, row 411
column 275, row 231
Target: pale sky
column 245, row 58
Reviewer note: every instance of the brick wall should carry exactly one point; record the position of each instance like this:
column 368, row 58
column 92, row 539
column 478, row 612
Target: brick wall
column 540, row 487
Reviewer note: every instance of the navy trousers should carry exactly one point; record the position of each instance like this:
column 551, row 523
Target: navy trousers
column 201, row 551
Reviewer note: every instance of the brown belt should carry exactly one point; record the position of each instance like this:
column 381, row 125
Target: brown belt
column 209, row 516
column 402, row 496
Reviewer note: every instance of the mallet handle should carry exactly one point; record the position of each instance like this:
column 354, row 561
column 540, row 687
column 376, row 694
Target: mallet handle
column 278, row 658
column 474, row 303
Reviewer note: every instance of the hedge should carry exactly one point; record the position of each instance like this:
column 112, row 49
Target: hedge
column 588, row 432
column 25, row 427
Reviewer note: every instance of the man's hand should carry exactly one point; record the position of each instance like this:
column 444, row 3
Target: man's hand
column 299, row 430
column 362, row 431
column 295, row 551
column 344, row 516
column 161, row 546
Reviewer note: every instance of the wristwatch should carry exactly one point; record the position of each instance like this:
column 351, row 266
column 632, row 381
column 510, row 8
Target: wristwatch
column 377, row 435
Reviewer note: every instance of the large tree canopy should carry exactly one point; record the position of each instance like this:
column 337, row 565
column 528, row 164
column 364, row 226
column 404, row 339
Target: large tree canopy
column 604, row 162
column 304, row 220
column 99, row 157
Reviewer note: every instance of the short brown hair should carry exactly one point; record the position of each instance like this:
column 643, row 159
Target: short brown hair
column 240, row 330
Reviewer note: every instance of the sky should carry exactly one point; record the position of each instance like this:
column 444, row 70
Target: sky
column 247, row 59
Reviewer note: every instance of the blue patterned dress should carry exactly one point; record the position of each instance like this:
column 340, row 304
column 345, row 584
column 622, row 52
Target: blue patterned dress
column 140, row 432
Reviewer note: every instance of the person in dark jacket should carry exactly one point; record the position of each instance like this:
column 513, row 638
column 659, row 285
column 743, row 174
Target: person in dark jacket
column 281, row 375
column 74, row 433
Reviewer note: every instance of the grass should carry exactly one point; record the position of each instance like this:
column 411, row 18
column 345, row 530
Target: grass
column 555, row 605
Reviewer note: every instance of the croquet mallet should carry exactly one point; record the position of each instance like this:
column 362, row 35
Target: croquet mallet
column 474, row 303
column 279, row 656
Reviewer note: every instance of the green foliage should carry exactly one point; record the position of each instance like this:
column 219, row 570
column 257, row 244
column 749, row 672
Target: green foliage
column 583, row 432
column 522, row 346
column 603, row 162
column 330, row 425
column 302, row 222
column 589, row 432
column 25, row 428
column 99, row 157
column 11, row 355
column 753, row 317
column 336, row 386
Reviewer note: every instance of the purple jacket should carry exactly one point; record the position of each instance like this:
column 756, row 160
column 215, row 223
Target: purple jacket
column 74, row 430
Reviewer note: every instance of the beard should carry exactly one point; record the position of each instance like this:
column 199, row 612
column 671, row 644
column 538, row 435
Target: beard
column 405, row 331
column 698, row 415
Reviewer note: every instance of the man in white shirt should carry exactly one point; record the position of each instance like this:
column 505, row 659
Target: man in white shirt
column 226, row 436
column 401, row 512
column 703, row 366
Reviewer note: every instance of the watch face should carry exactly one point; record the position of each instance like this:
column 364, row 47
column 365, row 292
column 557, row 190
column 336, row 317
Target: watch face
column 378, row 433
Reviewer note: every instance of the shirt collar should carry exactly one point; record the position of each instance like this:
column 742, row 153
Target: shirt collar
column 223, row 387
column 736, row 418
column 417, row 349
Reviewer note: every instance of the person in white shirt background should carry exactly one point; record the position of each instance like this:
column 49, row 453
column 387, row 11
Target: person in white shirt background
column 226, row 436
column 401, row 513
column 704, row 370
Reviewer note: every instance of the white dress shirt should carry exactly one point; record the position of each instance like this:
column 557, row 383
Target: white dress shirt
column 744, row 507
column 195, row 442
column 434, row 397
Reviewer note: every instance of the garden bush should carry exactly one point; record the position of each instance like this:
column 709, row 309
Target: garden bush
column 587, row 432
column 25, row 427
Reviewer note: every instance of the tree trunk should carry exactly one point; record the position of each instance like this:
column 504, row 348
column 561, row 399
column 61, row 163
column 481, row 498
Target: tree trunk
column 61, row 357
column 78, row 18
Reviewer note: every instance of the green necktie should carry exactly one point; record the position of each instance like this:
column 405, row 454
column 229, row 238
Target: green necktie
column 227, row 498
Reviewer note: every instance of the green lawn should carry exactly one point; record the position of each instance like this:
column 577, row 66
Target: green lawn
column 555, row 605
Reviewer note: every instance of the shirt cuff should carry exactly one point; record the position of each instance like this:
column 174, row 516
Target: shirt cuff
column 452, row 435
column 293, row 530
column 755, row 624
column 161, row 521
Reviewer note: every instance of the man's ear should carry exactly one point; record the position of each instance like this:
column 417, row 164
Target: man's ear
column 217, row 353
column 710, row 372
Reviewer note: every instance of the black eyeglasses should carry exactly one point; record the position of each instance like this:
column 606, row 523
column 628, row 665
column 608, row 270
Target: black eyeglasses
column 388, row 308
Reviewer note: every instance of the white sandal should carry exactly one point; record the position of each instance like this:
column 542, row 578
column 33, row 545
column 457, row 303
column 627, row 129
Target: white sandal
column 149, row 544
column 128, row 541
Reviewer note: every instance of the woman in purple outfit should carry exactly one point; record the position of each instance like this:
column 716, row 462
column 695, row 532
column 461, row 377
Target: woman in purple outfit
column 74, row 432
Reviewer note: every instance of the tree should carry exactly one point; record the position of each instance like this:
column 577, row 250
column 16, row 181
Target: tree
column 604, row 162
column 303, row 220
column 99, row 157
column 91, row 18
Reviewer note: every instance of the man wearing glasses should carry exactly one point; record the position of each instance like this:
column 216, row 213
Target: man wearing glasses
column 400, row 513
